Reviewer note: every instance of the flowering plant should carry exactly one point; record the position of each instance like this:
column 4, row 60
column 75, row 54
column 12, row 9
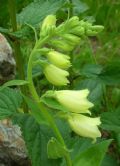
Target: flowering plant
column 52, row 56
column 54, row 46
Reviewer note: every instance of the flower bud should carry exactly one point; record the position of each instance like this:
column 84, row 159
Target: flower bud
column 74, row 101
column 97, row 28
column 89, row 32
column 94, row 30
column 86, row 25
column 79, row 31
column 48, row 24
column 58, row 59
column 73, row 21
column 62, row 45
column 50, row 20
column 55, row 75
column 85, row 126
column 69, row 24
column 72, row 38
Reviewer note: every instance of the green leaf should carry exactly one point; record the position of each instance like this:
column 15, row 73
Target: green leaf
column 34, row 110
column 13, row 83
column 52, row 103
column 93, row 156
column 36, row 137
column 109, row 161
column 111, row 73
column 79, row 7
column 77, row 144
column 4, row 17
column 35, row 12
column 3, row 30
column 111, row 120
column 10, row 101
column 91, row 70
column 95, row 87
column 55, row 149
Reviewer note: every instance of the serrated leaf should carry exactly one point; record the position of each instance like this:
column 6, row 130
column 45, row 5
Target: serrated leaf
column 111, row 120
column 111, row 73
column 91, row 70
column 10, row 101
column 13, row 83
column 35, row 12
column 36, row 137
column 55, row 149
column 95, row 86
column 93, row 156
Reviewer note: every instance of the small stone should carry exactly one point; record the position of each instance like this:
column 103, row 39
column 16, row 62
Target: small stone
column 12, row 145
column 7, row 62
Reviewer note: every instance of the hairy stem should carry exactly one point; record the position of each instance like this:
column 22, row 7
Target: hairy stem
column 16, row 44
column 42, row 108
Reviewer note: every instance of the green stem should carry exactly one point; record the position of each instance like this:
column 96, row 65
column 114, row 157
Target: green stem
column 70, row 9
column 12, row 12
column 16, row 44
column 68, row 160
column 42, row 108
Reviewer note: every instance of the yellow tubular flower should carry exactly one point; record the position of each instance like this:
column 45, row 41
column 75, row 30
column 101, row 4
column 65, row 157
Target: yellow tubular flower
column 75, row 101
column 58, row 59
column 55, row 75
column 85, row 126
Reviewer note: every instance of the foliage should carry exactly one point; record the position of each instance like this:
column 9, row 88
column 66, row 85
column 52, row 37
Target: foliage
column 36, row 140
column 40, row 9
column 92, row 156
column 10, row 101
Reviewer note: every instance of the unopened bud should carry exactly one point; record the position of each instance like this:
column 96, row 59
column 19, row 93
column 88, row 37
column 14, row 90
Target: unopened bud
column 58, row 59
column 69, row 24
column 55, row 75
column 73, row 21
column 73, row 39
column 62, row 45
column 89, row 32
column 48, row 24
column 79, row 31
column 97, row 28
column 94, row 30
column 50, row 20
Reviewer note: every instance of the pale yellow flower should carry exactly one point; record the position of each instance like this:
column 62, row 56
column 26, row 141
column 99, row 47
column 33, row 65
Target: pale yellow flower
column 58, row 59
column 74, row 101
column 55, row 75
column 85, row 126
